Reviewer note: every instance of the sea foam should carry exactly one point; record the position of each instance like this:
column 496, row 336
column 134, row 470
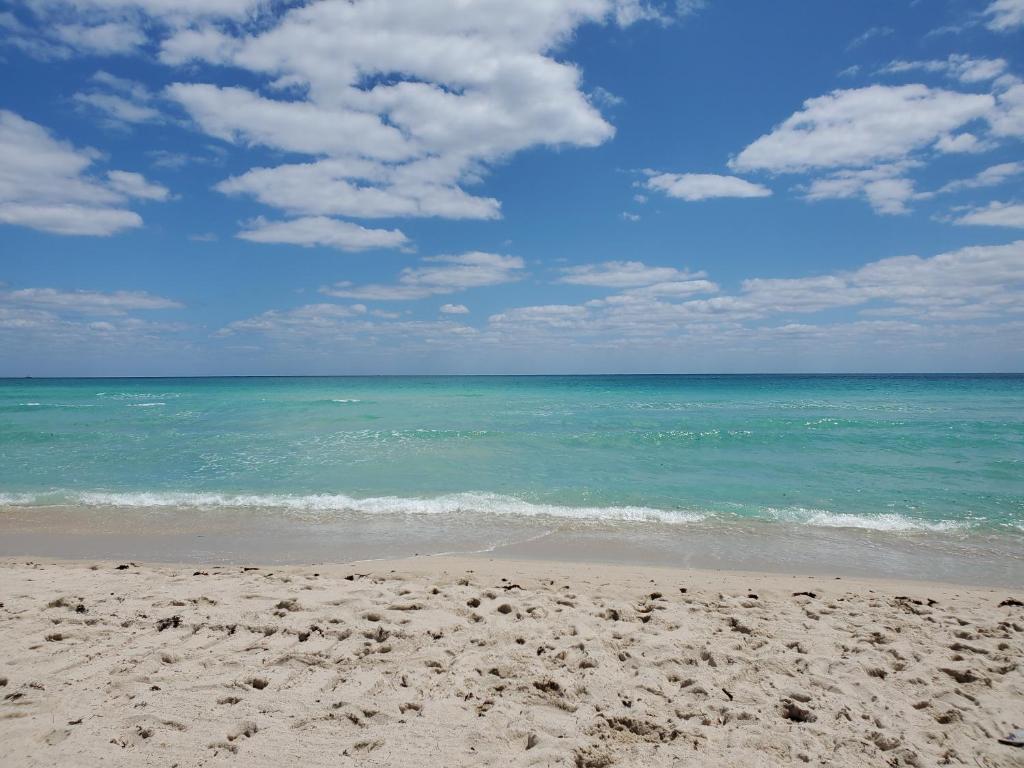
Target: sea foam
column 480, row 503
column 326, row 504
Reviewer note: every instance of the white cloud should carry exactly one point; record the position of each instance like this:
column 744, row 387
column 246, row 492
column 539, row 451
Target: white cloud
column 239, row 115
column 44, row 184
column 1008, row 117
column 321, row 230
column 205, row 43
column 310, row 317
column 24, row 328
column 1005, row 15
column 956, row 300
column 995, row 214
column 352, row 187
column 975, row 283
column 17, row 34
column 992, row 176
column 112, row 37
column 604, row 97
column 550, row 316
column 349, row 325
column 884, row 187
column 53, row 37
column 676, row 289
column 133, row 184
column 962, row 143
column 861, row 127
column 454, row 309
column 629, row 12
column 174, row 11
column 69, row 218
column 973, row 274
column 622, row 274
column 958, row 66
column 400, row 106
column 66, row 323
column 870, row 34
column 703, row 186
column 120, row 100
column 88, row 302
column 119, row 108
column 451, row 275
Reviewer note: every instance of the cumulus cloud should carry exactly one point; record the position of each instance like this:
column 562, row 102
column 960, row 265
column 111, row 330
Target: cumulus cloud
column 76, row 322
column 868, row 35
column 349, row 325
column 862, row 126
column 321, row 230
column 970, row 284
column 547, row 316
column 702, row 186
column 974, row 274
column 445, row 274
column 194, row 44
column 1005, row 15
column 174, row 11
column 958, row 66
column 995, row 214
column 119, row 99
column 884, row 187
column 88, row 302
column 240, row 115
column 1007, row 119
column 53, row 37
column 361, row 189
column 132, row 184
column 863, row 143
column 969, row 296
column 69, row 218
column 629, row 12
column 962, row 143
column 44, row 184
column 454, row 309
column 112, row 37
column 623, row 274
column 400, row 106
column 675, row 289
column 24, row 328
column 311, row 317
column 992, row 176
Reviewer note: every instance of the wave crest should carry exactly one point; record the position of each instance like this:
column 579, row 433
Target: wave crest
column 325, row 505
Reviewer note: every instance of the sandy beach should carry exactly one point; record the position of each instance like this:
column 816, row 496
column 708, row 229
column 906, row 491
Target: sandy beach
column 477, row 661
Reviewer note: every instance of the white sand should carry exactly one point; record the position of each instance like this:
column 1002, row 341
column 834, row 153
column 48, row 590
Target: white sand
column 458, row 662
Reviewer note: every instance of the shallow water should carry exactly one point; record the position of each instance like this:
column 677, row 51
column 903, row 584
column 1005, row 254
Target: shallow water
column 938, row 459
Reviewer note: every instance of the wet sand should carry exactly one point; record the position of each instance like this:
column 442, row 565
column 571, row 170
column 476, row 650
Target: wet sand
column 273, row 536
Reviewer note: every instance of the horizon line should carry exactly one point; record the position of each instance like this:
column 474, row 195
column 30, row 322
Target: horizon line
column 506, row 375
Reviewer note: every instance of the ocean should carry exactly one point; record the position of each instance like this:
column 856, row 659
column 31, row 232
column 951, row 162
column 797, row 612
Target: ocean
column 448, row 463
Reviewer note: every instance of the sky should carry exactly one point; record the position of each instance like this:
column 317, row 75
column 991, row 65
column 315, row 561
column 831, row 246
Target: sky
column 230, row 187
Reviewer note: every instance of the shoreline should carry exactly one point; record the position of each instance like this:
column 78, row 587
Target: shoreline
column 267, row 536
column 487, row 661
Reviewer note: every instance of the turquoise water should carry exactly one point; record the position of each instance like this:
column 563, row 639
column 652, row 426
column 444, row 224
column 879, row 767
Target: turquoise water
column 928, row 454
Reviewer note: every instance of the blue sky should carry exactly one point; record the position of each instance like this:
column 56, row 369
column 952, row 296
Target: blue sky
column 392, row 186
